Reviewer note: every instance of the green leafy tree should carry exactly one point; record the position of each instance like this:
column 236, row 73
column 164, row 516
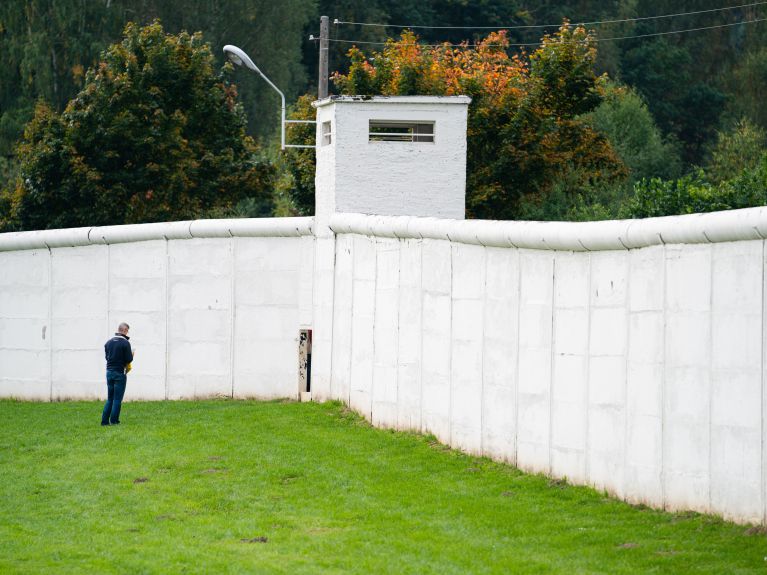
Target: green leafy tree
column 629, row 126
column 156, row 134
column 694, row 193
column 736, row 150
column 749, row 86
column 683, row 106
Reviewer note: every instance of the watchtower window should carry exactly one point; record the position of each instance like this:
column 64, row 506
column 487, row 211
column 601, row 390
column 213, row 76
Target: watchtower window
column 327, row 134
column 392, row 131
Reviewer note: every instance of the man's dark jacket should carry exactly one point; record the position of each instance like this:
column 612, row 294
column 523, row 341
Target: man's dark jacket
column 118, row 353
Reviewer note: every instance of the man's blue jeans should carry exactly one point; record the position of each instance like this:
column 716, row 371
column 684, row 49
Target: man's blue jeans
column 116, row 381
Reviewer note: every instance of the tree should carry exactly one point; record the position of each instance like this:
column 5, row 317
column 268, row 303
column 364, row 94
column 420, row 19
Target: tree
column 156, row 134
column 683, row 106
column 525, row 129
column 46, row 47
column 750, row 79
column 629, row 126
column 737, row 150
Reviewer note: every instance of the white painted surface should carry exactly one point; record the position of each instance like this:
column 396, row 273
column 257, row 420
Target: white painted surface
column 391, row 178
column 639, row 371
column 635, row 371
column 215, row 316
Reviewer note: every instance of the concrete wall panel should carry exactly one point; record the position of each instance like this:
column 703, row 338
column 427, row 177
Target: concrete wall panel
column 342, row 319
column 736, row 379
column 437, row 322
column 322, row 316
column 25, row 326
column 608, row 331
column 535, row 358
column 265, row 330
column 363, row 316
column 410, row 334
column 200, row 315
column 385, row 333
column 645, row 376
column 569, row 386
column 138, row 296
column 79, row 303
column 467, row 335
column 687, row 389
column 500, row 353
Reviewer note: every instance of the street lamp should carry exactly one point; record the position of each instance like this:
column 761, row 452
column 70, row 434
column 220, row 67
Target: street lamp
column 240, row 58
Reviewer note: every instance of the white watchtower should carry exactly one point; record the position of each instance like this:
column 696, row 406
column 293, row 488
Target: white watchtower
column 391, row 155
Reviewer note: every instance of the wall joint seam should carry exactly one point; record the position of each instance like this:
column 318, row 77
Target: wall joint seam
column 552, row 352
column 710, row 366
column 352, row 243
column 50, row 324
column 421, row 294
column 662, row 394
column 516, row 374
column 626, row 377
column 763, row 490
column 167, row 317
column 233, row 307
column 450, row 348
column 587, row 387
column 482, row 355
column 375, row 298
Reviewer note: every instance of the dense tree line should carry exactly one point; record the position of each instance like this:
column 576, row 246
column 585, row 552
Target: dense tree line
column 681, row 112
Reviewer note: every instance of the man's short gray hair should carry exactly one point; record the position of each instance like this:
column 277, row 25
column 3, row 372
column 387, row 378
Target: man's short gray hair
column 123, row 327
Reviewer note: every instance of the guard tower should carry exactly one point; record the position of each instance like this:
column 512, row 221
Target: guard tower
column 391, row 155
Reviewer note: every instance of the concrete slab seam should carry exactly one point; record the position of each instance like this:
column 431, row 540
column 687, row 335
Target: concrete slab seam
column 332, row 315
column 373, row 329
column 109, row 287
column 764, row 407
column 482, row 355
column 552, row 353
column 516, row 378
column 450, row 358
column 421, row 295
column 710, row 363
column 352, row 244
column 624, row 493
column 167, row 317
column 419, row 243
column 50, row 324
column 587, row 387
column 396, row 345
column 662, row 394
column 233, row 307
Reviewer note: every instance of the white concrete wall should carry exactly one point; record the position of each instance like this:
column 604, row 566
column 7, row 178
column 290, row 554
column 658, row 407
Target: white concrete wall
column 600, row 352
column 638, row 371
column 214, row 315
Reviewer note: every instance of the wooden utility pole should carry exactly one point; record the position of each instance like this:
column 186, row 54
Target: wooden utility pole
column 322, row 91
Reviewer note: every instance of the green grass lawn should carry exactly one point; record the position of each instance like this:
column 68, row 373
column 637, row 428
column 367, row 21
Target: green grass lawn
column 248, row 487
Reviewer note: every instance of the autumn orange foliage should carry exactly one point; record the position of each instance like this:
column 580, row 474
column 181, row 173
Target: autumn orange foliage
column 526, row 128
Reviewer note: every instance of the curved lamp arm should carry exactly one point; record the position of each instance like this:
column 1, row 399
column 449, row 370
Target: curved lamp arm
column 240, row 58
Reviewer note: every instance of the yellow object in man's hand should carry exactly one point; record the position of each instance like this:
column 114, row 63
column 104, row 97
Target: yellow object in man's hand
column 129, row 366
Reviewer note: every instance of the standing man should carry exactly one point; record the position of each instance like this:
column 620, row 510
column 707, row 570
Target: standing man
column 119, row 355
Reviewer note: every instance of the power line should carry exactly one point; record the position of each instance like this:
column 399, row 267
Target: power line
column 531, row 44
column 530, row 26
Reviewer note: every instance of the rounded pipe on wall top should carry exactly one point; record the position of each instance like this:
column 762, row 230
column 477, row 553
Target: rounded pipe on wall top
column 71, row 237
column 728, row 226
